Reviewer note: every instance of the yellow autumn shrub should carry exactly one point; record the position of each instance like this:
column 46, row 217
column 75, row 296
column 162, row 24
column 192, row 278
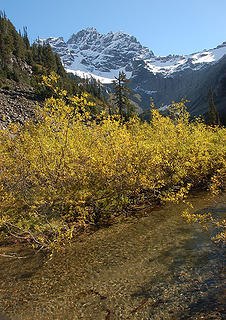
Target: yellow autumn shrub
column 67, row 170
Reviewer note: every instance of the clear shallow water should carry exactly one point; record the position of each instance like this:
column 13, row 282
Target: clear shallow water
column 154, row 266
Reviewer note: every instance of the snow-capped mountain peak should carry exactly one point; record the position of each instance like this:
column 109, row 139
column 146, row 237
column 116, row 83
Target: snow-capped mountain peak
column 101, row 54
column 104, row 55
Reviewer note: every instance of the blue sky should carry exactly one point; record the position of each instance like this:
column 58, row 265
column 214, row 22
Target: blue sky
column 164, row 26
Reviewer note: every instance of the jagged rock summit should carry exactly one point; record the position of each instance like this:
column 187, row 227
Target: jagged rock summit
column 101, row 54
column 105, row 55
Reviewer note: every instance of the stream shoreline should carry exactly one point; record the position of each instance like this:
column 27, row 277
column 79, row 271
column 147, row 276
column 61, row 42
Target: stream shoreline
column 154, row 266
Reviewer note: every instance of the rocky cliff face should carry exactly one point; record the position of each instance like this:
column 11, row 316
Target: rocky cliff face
column 89, row 53
column 17, row 104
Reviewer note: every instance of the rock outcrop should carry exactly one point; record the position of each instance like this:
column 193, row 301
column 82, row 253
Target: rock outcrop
column 17, row 104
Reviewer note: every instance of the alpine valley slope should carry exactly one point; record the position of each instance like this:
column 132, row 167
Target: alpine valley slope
column 171, row 78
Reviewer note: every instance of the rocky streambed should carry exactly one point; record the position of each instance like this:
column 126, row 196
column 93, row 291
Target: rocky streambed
column 150, row 266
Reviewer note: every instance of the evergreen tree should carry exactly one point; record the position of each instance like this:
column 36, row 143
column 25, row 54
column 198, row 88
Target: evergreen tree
column 121, row 94
column 99, row 91
column 59, row 67
column 49, row 58
column 213, row 114
column 6, row 41
column 25, row 38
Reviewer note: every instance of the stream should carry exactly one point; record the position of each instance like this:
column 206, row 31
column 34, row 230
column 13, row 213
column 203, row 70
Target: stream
column 152, row 265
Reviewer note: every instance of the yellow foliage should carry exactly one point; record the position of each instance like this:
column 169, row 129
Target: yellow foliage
column 68, row 170
column 206, row 220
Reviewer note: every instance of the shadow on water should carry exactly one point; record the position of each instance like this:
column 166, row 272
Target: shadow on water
column 196, row 273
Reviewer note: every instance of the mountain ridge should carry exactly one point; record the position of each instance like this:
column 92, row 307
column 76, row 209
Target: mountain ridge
column 89, row 53
column 105, row 55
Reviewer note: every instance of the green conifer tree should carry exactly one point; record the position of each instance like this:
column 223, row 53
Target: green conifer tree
column 6, row 41
column 213, row 114
column 25, row 38
column 59, row 67
column 49, row 58
column 121, row 93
